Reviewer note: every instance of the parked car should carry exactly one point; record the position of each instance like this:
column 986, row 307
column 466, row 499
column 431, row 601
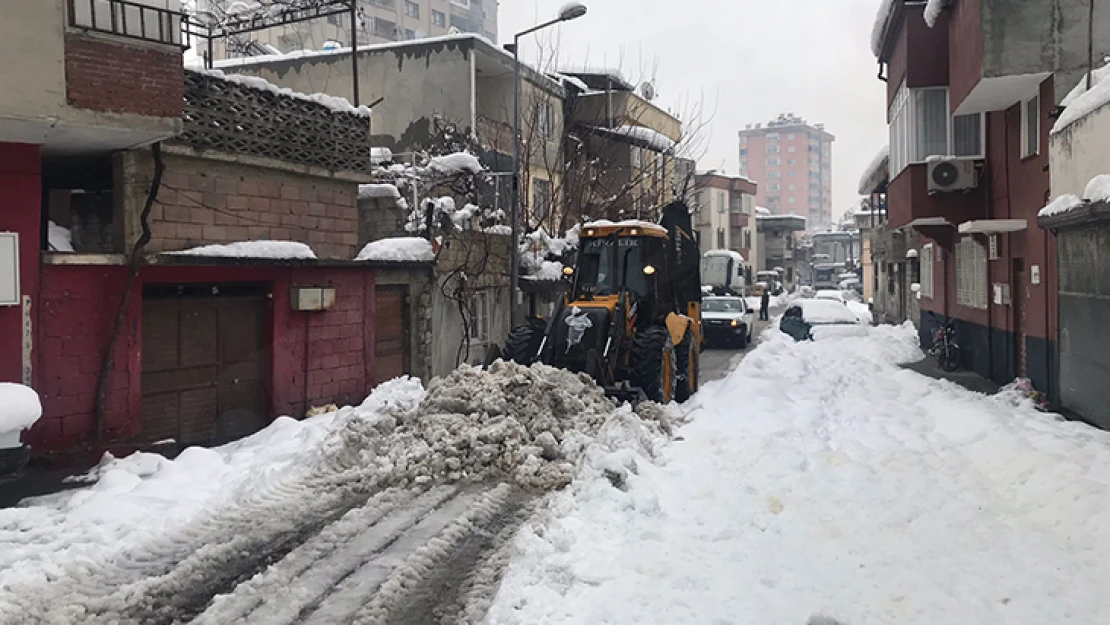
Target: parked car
column 727, row 320
column 831, row 295
column 816, row 319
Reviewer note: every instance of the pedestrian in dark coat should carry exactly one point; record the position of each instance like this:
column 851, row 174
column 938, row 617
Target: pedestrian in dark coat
column 764, row 304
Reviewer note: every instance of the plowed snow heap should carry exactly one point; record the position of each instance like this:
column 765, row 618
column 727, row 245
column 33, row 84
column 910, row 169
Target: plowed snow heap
column 527, row 424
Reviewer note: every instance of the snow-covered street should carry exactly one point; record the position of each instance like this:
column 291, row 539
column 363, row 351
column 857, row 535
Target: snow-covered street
column 820, row 479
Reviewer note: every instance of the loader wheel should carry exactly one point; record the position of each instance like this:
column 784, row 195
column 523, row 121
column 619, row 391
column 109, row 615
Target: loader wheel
column 689, row 368
column 523, row 344
column 653, row 360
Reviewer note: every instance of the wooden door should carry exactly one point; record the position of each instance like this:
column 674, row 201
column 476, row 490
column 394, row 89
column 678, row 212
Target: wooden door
column 390, row 336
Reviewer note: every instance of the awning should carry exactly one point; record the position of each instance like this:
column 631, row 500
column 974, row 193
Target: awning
column 992, row 226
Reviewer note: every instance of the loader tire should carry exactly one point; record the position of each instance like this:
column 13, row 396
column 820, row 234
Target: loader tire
column 688, row 367
column 523, row 344
column 653, row 362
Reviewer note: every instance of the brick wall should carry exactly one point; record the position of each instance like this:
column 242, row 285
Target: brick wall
column 119, row 77
column 203, row 202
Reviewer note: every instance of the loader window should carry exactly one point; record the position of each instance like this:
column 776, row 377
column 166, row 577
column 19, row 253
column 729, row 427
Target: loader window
column 607, row 264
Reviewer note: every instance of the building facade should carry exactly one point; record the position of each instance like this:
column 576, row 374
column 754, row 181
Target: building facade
column 778, row 246
column 379, row 21
column 792, row 160
column 970, row 102
column 724, row 215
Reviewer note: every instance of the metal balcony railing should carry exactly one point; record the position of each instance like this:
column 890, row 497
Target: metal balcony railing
column 134, row 20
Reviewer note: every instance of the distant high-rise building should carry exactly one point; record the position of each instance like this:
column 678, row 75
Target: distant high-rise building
column 792, row 162
column 379, row 21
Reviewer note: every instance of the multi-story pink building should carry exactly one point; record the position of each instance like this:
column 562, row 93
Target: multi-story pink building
column 792, row 161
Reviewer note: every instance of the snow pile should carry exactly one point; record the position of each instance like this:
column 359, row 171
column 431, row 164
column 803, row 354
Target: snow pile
column 627, row 223
column 933, row 10
column 19, row 407
column 861, row 311
column 378, row 190
column 1061, row 204
column 339, row 105
column 1081, row 102
column 60, row 238
column 398, row 250
column 866, row 493
column 759, row 210
column 1098, row 189
column 278, row 250
column 876, row 171
column 459, row 162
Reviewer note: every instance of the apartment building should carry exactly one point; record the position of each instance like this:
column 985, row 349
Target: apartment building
column 971, row 97
column 379, row 21
column 724, row 215
column 792, row 160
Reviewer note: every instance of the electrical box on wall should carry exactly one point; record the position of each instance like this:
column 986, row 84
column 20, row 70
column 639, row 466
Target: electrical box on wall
column 992, row 246
column 1002, row 294
column 1035, row 274
column 310, row 298
column 9, row 269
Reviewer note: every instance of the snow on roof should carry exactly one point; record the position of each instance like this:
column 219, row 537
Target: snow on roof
column 19, row 407
column 398, row 250
column 310, row 54
column 572, row 80
column 1061, row 204
column 882, row 23
column 876, row 171
column 724, row 254
column 759, row 210
column 282, row 250
column 378, row 190
column 1081, row 102
column 340, row 105
column 628, row 223
column 933, row 10
column 459, row 162
column 613, row 74
column 825, row 310
column 654, row 140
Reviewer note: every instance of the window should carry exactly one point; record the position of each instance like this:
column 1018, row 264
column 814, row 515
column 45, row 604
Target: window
column 336, row 19
column 774, row 186
column 971, row 274
column 791, row 161
column 791, row 187
column 772, row 136
column 637, row 157
column 790, row 137
column 736, row 204
column 384, row 28
column 720, row 238
column 460, row 22
column 748, row 239
column 743, row 151
column 438, row 18
column 410, row 33
column 545, row 119
column 1031, row 126
column 412, row 9
column 921, row 126
column 790, row 174
column 774, row 174
column 479, row 316
column 749, row 203
column 790, row 200
column 772, row 149
column 541, row 199
column 461, row 3
column 927, row 270
column 773, row 161
column 722, row 202
column 791, row 149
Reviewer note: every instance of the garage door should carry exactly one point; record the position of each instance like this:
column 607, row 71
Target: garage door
column 203, row 367
column 1084, row 272
column 390, row 340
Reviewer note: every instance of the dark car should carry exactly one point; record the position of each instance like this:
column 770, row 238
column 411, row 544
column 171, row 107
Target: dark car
column 727, row 320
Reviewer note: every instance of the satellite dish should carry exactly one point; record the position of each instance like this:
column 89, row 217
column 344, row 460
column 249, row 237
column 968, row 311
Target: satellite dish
column 420, row 33
column 454, row 30
column 648, row 91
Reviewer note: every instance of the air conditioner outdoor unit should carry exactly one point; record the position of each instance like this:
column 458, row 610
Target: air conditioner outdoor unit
column 951, row 174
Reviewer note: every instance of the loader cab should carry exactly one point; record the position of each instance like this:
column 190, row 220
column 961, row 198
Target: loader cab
column 612, row 260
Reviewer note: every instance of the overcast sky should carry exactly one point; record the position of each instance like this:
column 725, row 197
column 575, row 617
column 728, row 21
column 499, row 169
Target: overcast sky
column 747, row 60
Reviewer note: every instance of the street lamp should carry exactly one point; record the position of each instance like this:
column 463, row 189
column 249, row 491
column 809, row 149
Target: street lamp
column 570, row 11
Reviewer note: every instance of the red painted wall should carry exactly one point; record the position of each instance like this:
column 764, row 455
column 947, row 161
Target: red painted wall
column 965, row 49
column 316, row 358
column 20, row 210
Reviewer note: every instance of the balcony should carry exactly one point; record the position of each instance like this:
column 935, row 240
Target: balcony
column 1002, row 50
column 910, row 204
column 139, row 20
column 738, row 220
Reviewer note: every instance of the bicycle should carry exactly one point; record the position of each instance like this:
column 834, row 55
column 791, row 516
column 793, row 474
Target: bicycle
column 945, row 349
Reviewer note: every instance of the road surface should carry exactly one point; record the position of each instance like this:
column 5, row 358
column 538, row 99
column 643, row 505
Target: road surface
column 717, row 362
